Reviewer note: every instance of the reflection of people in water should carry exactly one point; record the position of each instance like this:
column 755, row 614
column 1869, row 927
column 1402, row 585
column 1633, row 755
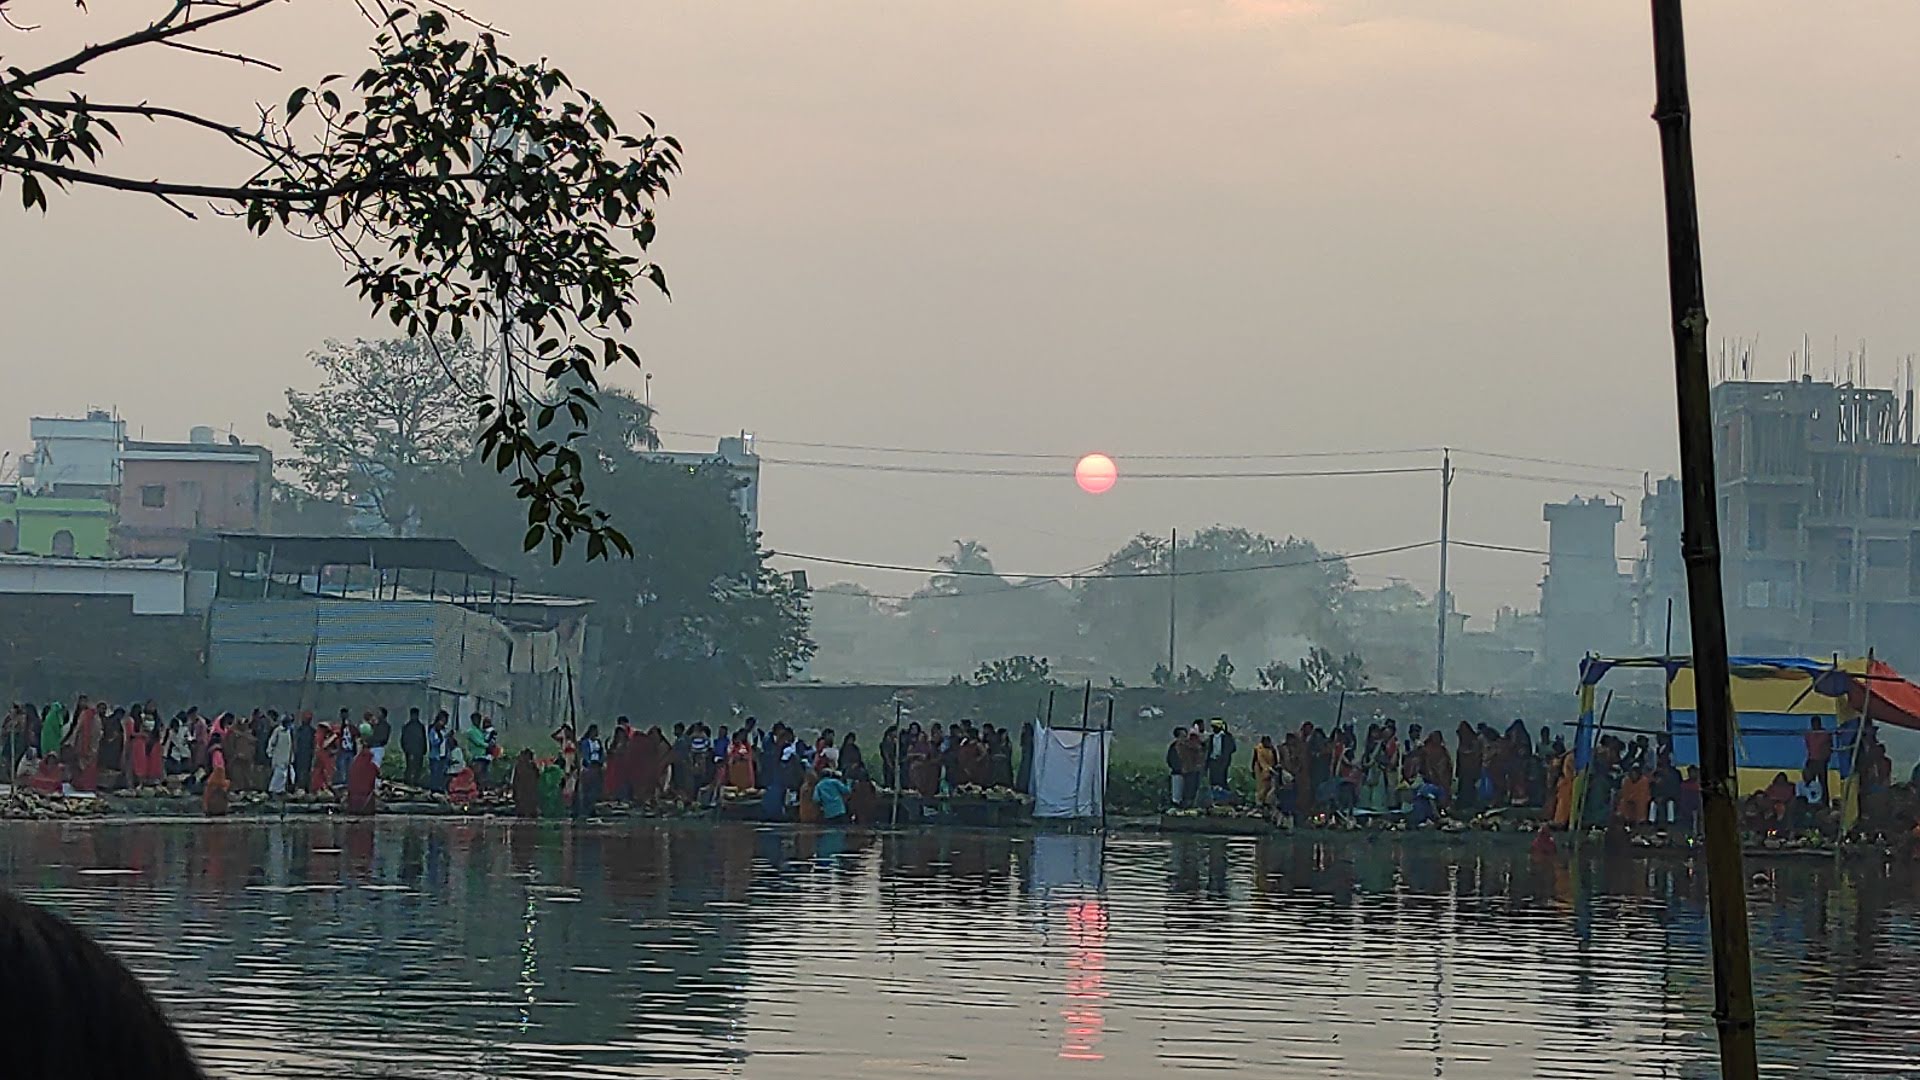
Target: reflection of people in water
column 75, row 1011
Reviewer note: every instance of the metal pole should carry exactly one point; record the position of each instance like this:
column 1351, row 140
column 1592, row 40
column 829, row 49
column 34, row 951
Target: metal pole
column 1106, row 743
column 1700, row 548
column 1666, row 671
column 1445, row 600
column 1173, row 603
column 899, row 761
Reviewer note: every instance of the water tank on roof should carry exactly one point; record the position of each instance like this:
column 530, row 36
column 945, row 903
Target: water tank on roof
column 201, row 435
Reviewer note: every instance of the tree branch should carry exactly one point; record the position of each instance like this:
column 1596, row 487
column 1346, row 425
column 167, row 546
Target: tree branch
column 161, row 29
column 239, row 58
column 68, row 175
column 255, row 143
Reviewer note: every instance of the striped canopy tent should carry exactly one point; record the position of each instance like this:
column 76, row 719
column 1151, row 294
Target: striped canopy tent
column 1776, row 699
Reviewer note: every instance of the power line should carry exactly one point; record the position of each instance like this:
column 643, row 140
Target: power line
column 1537, row 551
column 1623, row 469
column 1537, row 477
column 1056, row 474
column 1271, row 455
column 1031, row 455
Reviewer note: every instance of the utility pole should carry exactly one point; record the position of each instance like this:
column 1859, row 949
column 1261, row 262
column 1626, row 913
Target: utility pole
column 1700, row 547
column 1173, row 601
column 1445, row 600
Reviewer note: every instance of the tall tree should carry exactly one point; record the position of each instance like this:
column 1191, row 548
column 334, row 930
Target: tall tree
column 691, row 622
column 458, row 185
column 384, row 412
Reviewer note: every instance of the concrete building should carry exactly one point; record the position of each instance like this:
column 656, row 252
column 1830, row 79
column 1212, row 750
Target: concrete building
column 74, row 457
column 736, row 455
column 1586, row 605
column 52, row 525
column 1659, row 574
column 172, row 492
column 1819, row 489
column 154, row 586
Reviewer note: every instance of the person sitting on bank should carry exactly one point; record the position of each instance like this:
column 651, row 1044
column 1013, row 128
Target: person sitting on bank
column 49, row 778
column 462, row 788
column 1779, row 800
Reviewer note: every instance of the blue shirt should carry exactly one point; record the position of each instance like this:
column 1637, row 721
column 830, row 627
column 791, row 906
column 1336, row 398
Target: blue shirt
column 831, row 793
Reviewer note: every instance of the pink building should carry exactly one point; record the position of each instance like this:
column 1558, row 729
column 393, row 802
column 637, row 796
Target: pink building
column 173, row 492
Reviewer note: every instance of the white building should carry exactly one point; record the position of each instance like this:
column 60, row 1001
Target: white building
column 76, row 456
column 157, row 586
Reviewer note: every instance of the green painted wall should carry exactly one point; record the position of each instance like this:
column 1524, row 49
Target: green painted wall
column 40, row 519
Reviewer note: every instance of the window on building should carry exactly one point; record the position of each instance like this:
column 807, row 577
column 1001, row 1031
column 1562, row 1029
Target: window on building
column 1787, row 516
column 1783, row 594
column 153, row 495
column 1831, row 621
column 63, row 542
column 1756, row 594
column 9, row 535
column 1885, row 554
column 1756, row 527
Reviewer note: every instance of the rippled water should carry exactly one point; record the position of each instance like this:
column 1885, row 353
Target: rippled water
column 443, row 949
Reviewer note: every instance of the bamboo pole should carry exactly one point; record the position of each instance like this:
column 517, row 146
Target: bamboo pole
column 1700, row 547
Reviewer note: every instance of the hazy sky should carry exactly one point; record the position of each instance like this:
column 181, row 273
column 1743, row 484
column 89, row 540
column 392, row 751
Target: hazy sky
column 1198, row 226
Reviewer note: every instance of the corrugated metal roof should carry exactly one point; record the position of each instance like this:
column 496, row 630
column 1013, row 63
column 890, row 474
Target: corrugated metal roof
column 348, row 641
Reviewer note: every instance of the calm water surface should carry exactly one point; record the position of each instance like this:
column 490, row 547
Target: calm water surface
column 441, row 949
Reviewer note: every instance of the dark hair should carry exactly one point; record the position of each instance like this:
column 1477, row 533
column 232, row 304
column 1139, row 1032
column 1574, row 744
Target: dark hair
column 75, row 1011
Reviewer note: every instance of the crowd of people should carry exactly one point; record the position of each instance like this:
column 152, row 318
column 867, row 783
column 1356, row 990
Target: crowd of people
column 1313, row 773
column 94, row 746
column 1306, row 775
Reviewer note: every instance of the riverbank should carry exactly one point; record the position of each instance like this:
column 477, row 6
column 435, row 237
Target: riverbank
column 971, row 812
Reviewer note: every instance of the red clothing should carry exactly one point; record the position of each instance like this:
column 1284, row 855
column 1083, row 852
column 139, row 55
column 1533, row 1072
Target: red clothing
column 214, row 799
column 50, row 777
column 362, row 781
column 147, row 758
column 321, row 776
column 1819, row 745
column 461, row 790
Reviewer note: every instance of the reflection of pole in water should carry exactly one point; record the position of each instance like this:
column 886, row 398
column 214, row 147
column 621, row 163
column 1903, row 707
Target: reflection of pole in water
column 529, row 956
column 1084, row 1012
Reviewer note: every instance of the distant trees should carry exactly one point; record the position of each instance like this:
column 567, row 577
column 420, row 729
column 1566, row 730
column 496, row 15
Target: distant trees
column 1218, row 680
column 1238, row 591
column 1014, row 671
column 1318, row 672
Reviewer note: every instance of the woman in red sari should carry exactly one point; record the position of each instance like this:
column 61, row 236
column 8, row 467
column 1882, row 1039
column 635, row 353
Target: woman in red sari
column 325, row 742
column 86, row 748
column 363, row 778
column 213, row 800
column 618, row 783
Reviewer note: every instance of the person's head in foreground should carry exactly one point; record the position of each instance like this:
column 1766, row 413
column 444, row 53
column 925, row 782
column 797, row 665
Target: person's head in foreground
column 70, row 1011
